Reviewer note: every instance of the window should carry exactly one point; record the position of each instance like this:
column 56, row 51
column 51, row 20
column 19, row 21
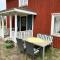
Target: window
column 55, row 24
column 23, row 3
column 2, row 5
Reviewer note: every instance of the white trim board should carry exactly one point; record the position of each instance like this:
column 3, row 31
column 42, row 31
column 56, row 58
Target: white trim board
column 17, row 11
column 52, row 24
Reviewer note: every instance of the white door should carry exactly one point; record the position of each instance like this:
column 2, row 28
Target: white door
column 25, row 26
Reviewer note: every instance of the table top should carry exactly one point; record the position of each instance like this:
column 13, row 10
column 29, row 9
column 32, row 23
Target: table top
column 38, row 41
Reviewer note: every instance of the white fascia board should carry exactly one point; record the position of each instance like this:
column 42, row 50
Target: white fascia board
column 6, row 12
column 18, row 10
column 24, row 11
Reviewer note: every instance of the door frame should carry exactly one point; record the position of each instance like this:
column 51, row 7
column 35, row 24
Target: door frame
column 26, row 22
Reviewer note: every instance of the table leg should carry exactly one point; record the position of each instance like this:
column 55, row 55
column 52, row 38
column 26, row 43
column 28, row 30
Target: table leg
column 43, row 52
column 52, row 50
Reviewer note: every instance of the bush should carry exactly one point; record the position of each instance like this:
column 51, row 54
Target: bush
column 9, row 44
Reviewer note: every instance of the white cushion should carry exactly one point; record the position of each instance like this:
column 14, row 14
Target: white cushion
column 36, row 50
column 24, row 45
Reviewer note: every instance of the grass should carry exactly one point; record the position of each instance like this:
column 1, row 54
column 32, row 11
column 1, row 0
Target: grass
column 14, row 54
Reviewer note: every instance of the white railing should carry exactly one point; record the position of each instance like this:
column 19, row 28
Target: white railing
column 24, row 34
column 6, row 31
column 20, row 34
column 13, row 34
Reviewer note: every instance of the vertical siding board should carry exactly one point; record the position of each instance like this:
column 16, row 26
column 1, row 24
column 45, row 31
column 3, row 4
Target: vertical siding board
column 56, row 42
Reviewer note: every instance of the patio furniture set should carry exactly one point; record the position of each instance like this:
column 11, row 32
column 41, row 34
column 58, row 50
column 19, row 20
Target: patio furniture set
column 28, row 45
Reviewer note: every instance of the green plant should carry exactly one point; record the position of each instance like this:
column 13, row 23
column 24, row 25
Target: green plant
column 9, row 44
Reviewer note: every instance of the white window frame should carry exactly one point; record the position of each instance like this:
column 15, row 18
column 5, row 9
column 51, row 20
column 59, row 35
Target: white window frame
column 52, row 24
column 23, row 3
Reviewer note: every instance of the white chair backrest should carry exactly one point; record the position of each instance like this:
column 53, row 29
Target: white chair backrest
column 45, row 37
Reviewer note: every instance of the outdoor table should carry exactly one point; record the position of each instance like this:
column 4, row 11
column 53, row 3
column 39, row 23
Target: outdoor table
column 39, row 42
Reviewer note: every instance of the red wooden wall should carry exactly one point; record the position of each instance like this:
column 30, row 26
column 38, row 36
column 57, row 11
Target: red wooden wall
column 11, row 4
column 42, row 22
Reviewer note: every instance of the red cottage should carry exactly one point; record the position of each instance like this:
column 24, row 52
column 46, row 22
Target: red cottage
column 33, row 16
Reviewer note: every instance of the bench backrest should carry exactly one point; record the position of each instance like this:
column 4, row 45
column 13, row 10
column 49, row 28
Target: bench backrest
column 45, row 37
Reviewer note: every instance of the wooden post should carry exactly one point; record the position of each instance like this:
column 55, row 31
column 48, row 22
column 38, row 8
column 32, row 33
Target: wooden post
column 2, row 27
column 15, row 28
column 10, row 26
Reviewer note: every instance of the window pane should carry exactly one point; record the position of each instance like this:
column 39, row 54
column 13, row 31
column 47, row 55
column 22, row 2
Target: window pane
column 57, row 24
column 29, row 22
column 18, row 23
column 23, row 2
column 23, row 23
